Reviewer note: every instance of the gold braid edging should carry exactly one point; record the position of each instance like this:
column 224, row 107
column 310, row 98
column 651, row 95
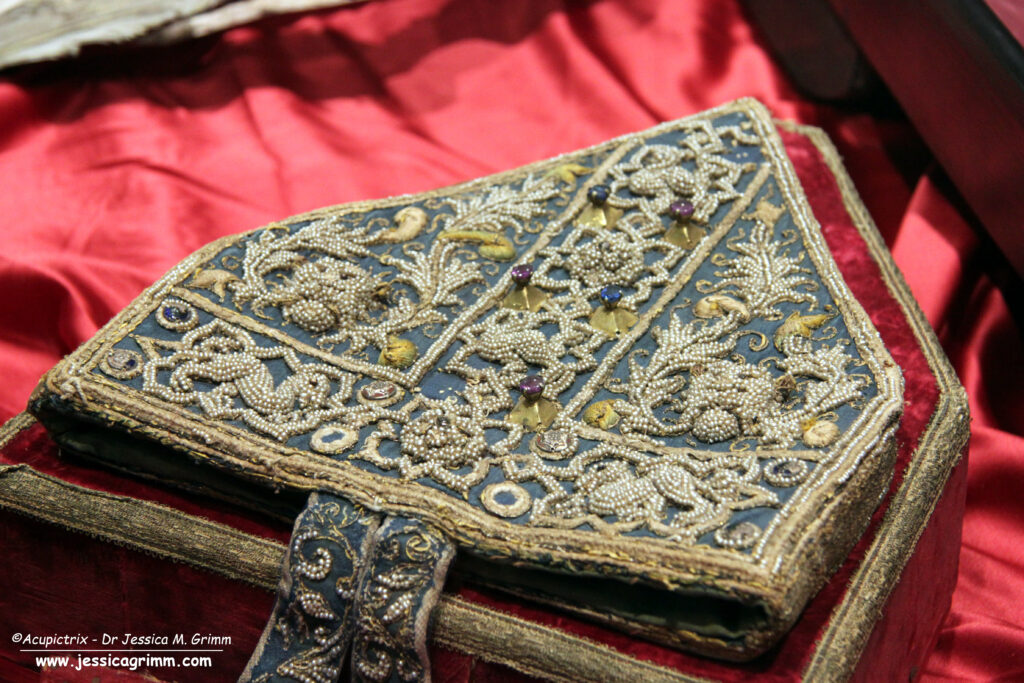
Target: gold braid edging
column 938, row 452
column 150, row 527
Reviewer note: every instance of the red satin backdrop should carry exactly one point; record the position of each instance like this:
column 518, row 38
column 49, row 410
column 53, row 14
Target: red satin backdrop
column 111, row 172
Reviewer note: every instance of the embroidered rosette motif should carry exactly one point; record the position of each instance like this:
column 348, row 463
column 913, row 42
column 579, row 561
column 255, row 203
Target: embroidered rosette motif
column 647, row 339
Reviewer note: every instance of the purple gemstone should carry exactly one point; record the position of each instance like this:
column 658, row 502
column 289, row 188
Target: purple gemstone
column 175, row 313
column 521, row 274
column 680, row 210
column 532, row 386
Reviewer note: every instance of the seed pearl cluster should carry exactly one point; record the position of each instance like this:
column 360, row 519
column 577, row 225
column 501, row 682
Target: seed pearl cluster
column 380, row 593
column 328, row 294
column 374, row 670
column 312, row 603
column 316, row 569
column 728, row 399
column 716, row 424
column 510, row 339
column 317, row 668
column 386, row 643
column 312, row 316
column 445, row 438
column 738, row 536
column 613, row 489
column 786, row 472
column 609, row 258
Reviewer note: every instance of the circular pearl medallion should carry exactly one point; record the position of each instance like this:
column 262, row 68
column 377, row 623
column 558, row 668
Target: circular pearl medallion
column 176, row 315
column 554, row 444
column 506, row 499
column 786, row 472
column 331, row 439
column 738, row 536
column 122, row 364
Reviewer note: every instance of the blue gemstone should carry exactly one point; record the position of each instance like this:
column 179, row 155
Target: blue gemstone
column 176, row 314
column 121, row 359
column 598, row 194
column 610, row 295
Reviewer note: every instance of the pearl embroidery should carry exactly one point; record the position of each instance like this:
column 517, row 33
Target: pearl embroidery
column 176, row 315
column 358, row 286
column 122, row 364
column 312, row 621
column 739, row 536
column 407, row 568
column 519, row 504
column 785, row 472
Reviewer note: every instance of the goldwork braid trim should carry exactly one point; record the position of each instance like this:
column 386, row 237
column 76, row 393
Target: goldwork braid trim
column 140, row 525
column 309, row 631
column 10, row 429
column 403, row 581
column 539, row 651
column 938, row 452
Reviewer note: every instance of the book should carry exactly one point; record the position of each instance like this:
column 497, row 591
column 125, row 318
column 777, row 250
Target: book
column 628, row 382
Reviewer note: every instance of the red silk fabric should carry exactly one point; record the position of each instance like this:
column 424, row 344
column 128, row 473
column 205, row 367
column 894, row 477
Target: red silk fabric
column 113, row 170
